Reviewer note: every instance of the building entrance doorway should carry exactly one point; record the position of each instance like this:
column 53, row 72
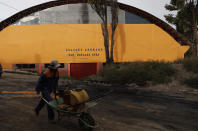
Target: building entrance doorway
column 80, row 70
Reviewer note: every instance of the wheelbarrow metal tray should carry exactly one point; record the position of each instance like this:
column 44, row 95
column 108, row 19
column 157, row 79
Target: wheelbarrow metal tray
column 82, row 116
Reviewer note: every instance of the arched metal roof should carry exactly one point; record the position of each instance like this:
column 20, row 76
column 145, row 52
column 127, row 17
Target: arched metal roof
column 122, row 6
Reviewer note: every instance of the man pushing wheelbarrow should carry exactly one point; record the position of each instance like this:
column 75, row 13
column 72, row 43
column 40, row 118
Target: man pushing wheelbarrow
column 47, row 83
column 67, row 102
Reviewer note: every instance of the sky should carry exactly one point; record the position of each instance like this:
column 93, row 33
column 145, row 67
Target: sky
column 155, row 7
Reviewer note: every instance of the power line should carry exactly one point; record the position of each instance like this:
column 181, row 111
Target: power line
column 9, row 6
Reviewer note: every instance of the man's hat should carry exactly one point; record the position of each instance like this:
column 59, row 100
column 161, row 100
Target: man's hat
column 54, row 64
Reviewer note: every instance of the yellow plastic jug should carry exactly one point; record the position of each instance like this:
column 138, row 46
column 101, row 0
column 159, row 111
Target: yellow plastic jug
column 77, row 97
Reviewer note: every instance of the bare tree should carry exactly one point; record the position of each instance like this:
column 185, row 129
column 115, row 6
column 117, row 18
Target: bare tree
column 100, row 6
column 114, row 18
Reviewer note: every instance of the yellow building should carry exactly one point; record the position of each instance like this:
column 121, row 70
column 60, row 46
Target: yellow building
column 83, row 43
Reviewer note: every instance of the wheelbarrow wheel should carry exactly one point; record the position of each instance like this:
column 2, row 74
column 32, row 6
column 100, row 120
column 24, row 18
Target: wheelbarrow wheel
column 86, row 122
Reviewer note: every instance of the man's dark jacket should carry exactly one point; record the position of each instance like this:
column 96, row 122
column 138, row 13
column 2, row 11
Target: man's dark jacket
column 47, row 83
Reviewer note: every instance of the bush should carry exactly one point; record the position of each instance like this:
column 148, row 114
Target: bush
column 138, row 72
column 178, row 61
column 67, row 77
column 191, row 64
column 160, row 72
column 92, row 78
column 192, row 82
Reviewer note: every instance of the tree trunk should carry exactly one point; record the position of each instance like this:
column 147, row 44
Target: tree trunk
column 114, row 13
column 106, row 34
column 195, row 35
column 106, row 41
column 112, row 45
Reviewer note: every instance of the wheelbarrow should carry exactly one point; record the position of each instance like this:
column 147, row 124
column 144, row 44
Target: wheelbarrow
column 74, row 103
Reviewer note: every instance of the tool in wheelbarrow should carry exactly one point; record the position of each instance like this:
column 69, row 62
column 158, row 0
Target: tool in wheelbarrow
column 74, row 103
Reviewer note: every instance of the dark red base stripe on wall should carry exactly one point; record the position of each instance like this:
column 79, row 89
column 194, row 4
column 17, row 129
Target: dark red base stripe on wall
column 81, row 70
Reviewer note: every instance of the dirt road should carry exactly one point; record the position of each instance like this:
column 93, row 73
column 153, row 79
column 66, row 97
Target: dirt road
column 124, row 110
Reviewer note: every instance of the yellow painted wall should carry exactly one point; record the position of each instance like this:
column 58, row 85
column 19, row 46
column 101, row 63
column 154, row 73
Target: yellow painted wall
column 146, row 42
column 42, row 43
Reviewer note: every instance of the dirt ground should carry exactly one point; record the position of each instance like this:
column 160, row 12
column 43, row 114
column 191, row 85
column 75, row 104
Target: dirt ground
column 128, row 108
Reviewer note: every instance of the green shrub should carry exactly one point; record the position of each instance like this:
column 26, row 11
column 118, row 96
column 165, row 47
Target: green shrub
column 192, row 82
column 67, row 77
column 160, row 72
column 138, row 72
column 191, row 64
column 178, row 61
column 92, row 78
